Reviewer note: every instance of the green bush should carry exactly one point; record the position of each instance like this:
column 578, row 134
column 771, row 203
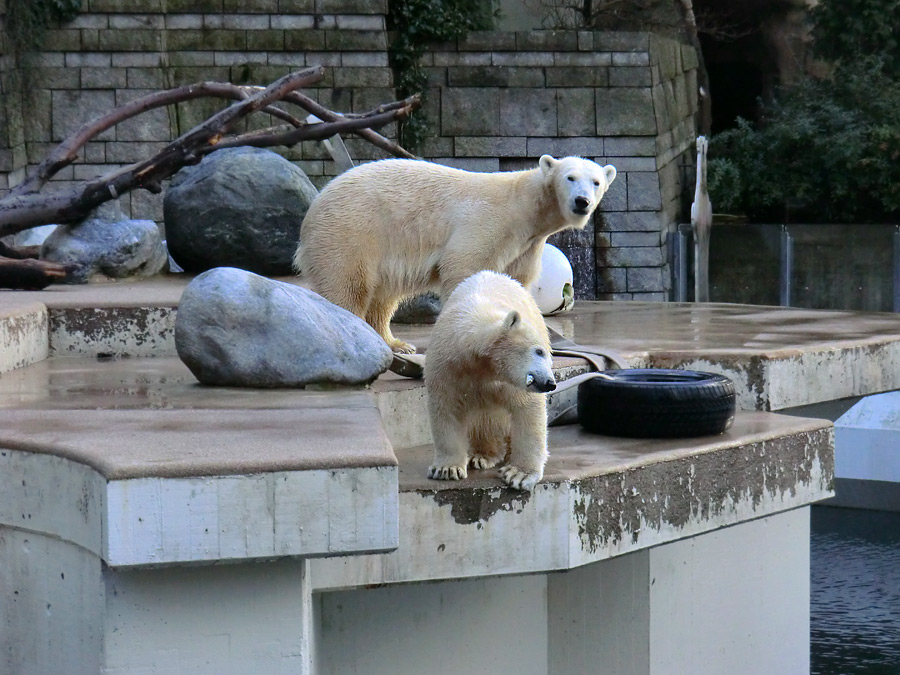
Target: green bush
column 417, row 24
column 26, row 20
column 844, row 30
column 825, row 151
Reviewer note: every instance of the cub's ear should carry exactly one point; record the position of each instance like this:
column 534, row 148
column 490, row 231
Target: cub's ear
column 512, row 320
column 610, row 172
column 546, row 163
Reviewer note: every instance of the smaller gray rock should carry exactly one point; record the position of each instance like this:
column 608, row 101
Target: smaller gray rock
column 420, row 309
column 236, row 328
column 108, row 244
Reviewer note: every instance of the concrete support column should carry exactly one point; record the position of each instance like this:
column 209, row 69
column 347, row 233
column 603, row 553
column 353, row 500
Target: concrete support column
column 481, row 626
column 50, row 607
column 733, row 601
column 210, row 620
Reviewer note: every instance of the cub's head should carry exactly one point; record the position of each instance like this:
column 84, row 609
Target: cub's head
column 521, row 353
column 579, row 185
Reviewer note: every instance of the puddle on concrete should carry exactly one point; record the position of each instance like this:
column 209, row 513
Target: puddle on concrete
column 69, row 383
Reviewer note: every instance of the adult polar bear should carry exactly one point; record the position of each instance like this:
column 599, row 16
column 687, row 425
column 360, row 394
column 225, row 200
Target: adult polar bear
column 390, row 229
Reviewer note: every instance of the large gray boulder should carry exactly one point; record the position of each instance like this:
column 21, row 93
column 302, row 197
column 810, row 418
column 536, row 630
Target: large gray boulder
column 240, row 207
column 107, row 245
column 236, row 328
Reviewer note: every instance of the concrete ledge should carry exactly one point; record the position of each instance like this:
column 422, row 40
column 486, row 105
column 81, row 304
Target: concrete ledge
column 153, row 521
column 185, row 473
column 54, row 497
column 601, row 497
column 164, row 471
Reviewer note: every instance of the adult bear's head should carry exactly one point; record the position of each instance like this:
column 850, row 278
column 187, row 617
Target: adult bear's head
column 579, row 184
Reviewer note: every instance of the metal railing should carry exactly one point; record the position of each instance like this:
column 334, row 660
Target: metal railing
column 877, row 253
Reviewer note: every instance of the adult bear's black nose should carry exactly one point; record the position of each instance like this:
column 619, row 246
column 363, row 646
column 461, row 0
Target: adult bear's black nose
column 581, row 204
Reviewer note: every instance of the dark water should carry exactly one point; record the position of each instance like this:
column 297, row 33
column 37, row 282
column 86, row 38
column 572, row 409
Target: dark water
column 855, row 592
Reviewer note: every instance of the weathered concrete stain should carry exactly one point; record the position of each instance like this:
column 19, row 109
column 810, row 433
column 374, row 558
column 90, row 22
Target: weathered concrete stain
column 134, row 331
column 470, row 506
column 614, row 508
column 749, row 374
column 23, row 338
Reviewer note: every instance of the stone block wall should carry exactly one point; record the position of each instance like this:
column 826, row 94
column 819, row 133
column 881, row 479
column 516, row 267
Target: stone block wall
column 497, row 101
column 117, row 50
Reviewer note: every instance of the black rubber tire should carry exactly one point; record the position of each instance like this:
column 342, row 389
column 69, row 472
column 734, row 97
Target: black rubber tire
column 656, row 403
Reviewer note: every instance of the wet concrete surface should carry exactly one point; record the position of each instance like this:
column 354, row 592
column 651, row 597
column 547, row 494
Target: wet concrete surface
column 633, row 328
column 133, row 417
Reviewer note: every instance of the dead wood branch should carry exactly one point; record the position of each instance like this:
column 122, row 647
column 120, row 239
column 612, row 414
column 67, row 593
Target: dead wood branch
column 27, row 206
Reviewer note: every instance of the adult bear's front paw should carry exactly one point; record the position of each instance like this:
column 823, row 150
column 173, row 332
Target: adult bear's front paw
column 401, row 347
column 519, row 479
column 447, row 472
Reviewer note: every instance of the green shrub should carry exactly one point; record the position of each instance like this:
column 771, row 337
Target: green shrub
column 723, row 180
column 825, row 151
column 26, row 20
column 844, row 30
column 417, row 24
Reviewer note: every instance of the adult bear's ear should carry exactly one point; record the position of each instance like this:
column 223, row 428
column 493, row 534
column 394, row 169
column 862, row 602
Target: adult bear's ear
column 610, row 172
column 512, row 320
column 546, row 162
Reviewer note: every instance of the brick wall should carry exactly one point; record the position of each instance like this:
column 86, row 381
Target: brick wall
column 497, row 100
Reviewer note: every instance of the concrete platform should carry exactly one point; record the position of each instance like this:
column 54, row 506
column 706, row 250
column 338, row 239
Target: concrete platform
column 124, row 483
column 778, row 357
column 163, row 450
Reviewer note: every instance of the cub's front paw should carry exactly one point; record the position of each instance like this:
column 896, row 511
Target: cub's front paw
column 519, row 479
column 483, row 461
column 447, row 472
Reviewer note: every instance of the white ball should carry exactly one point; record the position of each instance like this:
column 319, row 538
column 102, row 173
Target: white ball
column 553, row 290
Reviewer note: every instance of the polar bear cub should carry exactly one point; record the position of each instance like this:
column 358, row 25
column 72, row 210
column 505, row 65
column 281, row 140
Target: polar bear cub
column 391, row 229
column 487, row 367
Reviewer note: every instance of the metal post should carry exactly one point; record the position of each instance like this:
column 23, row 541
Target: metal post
column 897, row 268
column 786, row 266
column 681, row 263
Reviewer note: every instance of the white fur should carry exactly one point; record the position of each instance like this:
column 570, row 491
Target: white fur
column 489, row 353
column 387, row 230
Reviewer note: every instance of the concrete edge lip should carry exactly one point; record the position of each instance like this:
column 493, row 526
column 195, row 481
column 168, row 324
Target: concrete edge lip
column 151, row 522
column 478, row 528
column 164, row 521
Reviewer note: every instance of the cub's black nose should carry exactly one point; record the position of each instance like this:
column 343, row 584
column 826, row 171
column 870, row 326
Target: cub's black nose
column 581, row 203
column 544, row 387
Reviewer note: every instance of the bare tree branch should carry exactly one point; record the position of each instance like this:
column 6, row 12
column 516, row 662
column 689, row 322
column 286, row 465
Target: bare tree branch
column 27, row 206
column 67, row 152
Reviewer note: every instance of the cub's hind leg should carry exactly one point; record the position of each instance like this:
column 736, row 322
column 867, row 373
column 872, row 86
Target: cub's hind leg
column 489, row 433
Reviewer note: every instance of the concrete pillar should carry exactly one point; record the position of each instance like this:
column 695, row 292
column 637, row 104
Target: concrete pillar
column 733, row 601
column 477, row 627
column 50, row 605
column 212, row 620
